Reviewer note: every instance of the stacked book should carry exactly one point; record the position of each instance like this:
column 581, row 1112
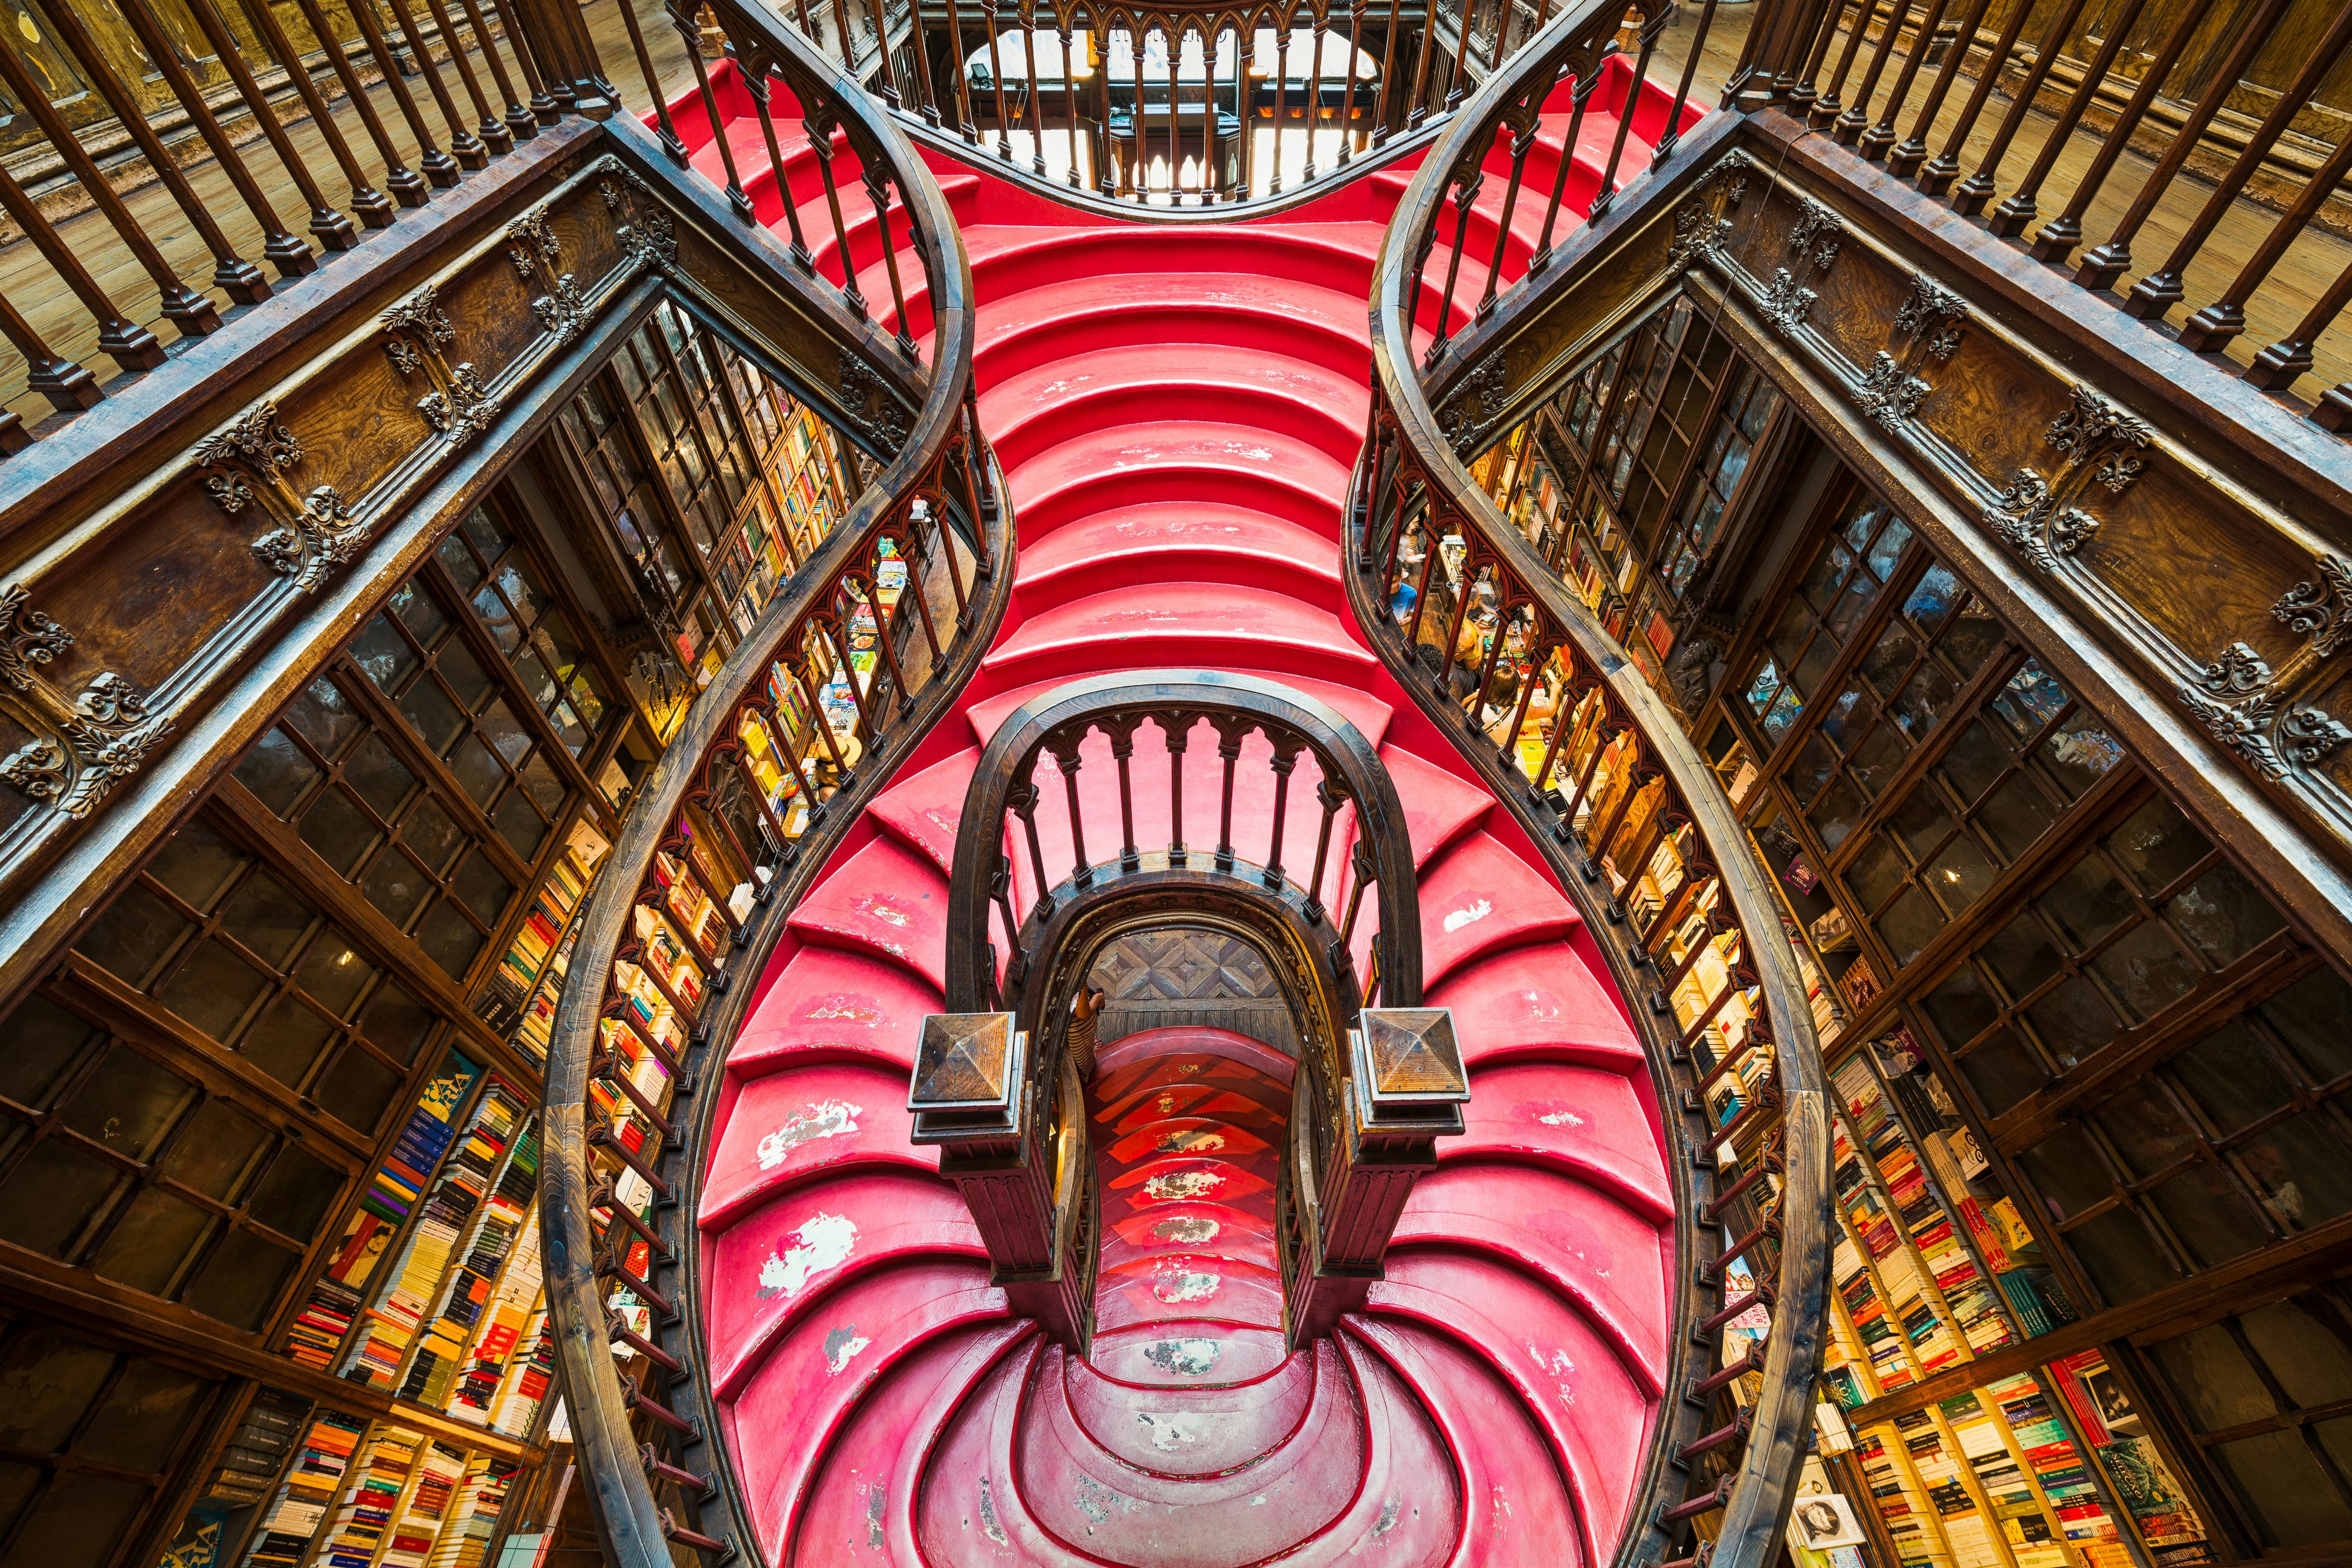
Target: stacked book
column 326, row 1316
column 433, row 1239
column 439, row 1469
column 258, row 1449
column 433, row 1368
column 1902, row 1505
column 309, row 1489
column 529, row 1376
column 360, row 1527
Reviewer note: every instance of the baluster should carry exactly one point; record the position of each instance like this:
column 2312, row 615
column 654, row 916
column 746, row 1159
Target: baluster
column 373, row 207
column 438, row 167
column 543, row 108
column 406, row 185
column 848, row 37
column 1082, row 873
column 1560, row 726
column 520, row 125
column 1281, row 95
column 890, row 644
column 1245, row 105
column 996, row 80
column 774, row 823
column 1176, row 730
column 2012, row 215
column 1937, row 175
column 690, row 32
column 757, row 82
column 1506, row 749
column 69, row 386
column 1419, row 110
column 2214, row 326
column 1973, row 191
column 1330, row 800
column 1464, row 192
column 877, row 192
column 1122, row 750
column 1849, row 126
column 1608, row 188
column 2062, row 233
column 1285, row 758
column 927, row 95
column 1825, row 110
column 491, row 131
column 2277, row 366
column 1674, row 132
column 1457, row 76
column 1229, row 748
column 834, row 628
column 1211, row 168
column 1027, row 13
column 878, row 13
column 807, row 684
column 287, row 252
column 335, row 231
column 1806, row 88
column 965, row 126
column 1069, row 88
column 1313, row 107
column 1024, row 801
column 672, row 143
column 1348, row 100
column 130, row 346
column 1881, row 136
column 1908, row 154
column 1578, row 97
column 1360, row 862
column 1388, row 73
column 1523, row 141
column 820, row 135
column 1421, row 592
column 468, row 148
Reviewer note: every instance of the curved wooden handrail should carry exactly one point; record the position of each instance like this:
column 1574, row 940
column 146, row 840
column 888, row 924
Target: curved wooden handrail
column 1619, row 793
column 1177, row 702
column 695, row 891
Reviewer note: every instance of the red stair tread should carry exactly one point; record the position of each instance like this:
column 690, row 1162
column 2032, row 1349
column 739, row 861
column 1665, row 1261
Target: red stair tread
column 1584, row 1120
column 1107, row 1509
column 1278, row 473
column 1201, row 1431
column 1132, row 541
column 1244, row 620
column 796, row 1400
column 924, row 809
column 1368, row 712
column 864, row 1498
column 1539, row 1001
column 829, row 1002
column 1478, row 898
column 1438, row 806
column 788, row 1125
column 1157, row 383
column 886, row 901
column 778, row 1261
column 1519, row 1508
column 1187, row 1354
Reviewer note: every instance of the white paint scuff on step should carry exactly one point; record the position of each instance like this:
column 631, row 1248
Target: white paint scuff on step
column 825, row 1242
column 821, row 1119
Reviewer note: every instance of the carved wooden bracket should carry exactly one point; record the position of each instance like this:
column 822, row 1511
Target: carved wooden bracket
column 537, row 254
column 2252, row 709
column 83, row 744
column 457, row 406
column 2100, row 442
column 247, row 463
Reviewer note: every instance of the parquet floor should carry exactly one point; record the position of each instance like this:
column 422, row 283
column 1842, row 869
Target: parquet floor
column 28, row 282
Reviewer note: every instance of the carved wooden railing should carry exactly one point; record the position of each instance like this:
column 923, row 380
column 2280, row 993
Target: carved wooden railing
column 461, row 88
column 1174, row 107
column 1911, row 83
column 1377, row 1086
column 709, row 861
column 1637, row 827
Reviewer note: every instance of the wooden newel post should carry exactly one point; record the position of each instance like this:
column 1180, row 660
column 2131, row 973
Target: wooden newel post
column 1353, row 1162
column 1009, row 1125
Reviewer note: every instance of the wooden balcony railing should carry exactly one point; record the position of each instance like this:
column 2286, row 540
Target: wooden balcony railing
column 1635, row 822
column 899, row 604
column 320, row 127
column 1361, row 1129
column 2118, row 154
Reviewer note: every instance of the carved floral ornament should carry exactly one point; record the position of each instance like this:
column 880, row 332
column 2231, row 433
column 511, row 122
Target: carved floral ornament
column 648, row 236
column 248, row 462
column 1702, row 222
column 457, row 405
column 536, row 253
column 2254, row 711
column 1928, row 328
column 83, row 744
column 2100, row 445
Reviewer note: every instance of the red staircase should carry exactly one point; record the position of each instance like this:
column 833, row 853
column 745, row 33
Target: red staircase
column 1176, row 409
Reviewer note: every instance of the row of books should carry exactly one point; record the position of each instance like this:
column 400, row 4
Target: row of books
column 439, row 1360
column 465, row 1536
column 434, row 1245
column 392, row 1192
column 371, row 1499
column 311, row 1485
